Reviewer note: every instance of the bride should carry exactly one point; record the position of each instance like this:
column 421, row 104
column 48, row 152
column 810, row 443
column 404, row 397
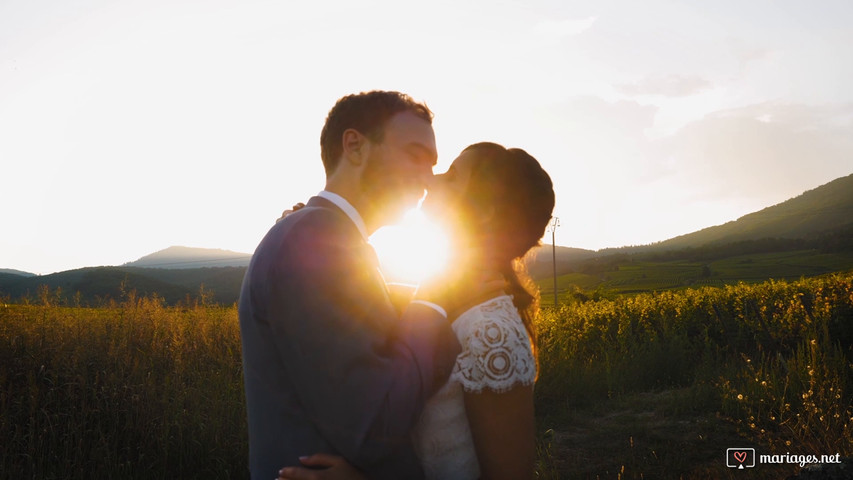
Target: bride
column 496, row 202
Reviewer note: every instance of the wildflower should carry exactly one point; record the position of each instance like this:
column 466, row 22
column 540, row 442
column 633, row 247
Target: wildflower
column 740, row 396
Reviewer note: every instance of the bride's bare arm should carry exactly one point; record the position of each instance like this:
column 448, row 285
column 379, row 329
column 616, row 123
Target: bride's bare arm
column 503, row 429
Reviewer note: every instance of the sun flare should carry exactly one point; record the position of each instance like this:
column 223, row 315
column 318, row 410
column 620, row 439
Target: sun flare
column 412, row 250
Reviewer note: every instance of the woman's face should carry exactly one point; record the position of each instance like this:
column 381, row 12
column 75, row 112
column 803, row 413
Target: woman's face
column 446, row 190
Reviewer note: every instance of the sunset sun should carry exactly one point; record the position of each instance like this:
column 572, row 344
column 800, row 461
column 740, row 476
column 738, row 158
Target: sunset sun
column 412, row 250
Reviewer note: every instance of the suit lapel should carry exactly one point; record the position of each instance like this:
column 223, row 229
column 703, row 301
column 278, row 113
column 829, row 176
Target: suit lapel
column 367, row 250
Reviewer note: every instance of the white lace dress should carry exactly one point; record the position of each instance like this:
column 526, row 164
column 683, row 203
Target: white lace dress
column 496, row 356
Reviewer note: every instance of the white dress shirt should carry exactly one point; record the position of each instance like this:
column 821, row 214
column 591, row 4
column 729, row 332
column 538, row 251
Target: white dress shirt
column 353, row 215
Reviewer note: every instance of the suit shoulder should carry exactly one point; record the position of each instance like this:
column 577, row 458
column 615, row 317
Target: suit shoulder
column 311, row 221
column 309, row 229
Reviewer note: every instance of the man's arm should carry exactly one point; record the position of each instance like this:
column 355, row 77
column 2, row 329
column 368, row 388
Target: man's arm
column 361, row 373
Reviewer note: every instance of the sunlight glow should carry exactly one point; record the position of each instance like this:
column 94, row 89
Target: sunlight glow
column 412, row 250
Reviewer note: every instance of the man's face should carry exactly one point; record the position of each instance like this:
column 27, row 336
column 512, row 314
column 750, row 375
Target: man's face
column 400, row 167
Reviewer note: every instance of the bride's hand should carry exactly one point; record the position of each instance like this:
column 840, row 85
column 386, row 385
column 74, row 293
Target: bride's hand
column 292, row 209
column 337, row 469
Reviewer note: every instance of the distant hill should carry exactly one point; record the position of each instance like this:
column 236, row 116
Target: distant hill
column 814, row 213
column 806, row 235
column 99, row 284
column 187, row 257
column 810, row 234
column 12, row 271
column 540, row 263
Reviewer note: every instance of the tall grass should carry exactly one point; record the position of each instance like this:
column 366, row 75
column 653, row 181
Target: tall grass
column 128, row 390
column 777, row 357
column 138, row 389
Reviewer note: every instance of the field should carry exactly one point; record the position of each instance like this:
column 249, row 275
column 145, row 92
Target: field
column 652, row 385
column 658, row 385
column 631, row 277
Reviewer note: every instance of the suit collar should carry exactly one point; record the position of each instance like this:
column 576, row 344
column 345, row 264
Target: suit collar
column 348, row 210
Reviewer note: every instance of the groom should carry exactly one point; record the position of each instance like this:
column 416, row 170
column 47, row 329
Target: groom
column 329, row 366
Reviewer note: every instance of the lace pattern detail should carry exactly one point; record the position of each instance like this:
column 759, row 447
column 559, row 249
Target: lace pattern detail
column 496, row 352
column 442, row 438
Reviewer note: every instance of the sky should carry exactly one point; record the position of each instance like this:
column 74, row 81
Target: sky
column 130, row 126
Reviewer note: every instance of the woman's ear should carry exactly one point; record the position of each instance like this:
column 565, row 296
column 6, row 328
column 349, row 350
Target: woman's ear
column 355, row 146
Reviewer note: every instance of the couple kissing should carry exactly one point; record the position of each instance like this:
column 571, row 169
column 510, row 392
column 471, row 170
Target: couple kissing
column 342, row 384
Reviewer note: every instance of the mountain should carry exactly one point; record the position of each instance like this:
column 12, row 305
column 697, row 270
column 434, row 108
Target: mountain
column 12, row 271
column 816, row 227
column 187, row 257
column 814, row 213
column 93, row 283
column 99, row 284
column 540, row 262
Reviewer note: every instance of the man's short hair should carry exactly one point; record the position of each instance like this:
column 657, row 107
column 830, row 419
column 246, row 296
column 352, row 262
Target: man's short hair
column 367, row 113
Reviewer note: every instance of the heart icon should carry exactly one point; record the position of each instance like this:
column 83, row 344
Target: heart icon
column 740, row 456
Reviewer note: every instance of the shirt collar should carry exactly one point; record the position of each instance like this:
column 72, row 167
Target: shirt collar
column 347, row 208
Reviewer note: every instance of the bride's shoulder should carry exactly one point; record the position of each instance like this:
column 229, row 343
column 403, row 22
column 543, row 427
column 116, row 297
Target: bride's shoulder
column 499, row 310
column 496, row 351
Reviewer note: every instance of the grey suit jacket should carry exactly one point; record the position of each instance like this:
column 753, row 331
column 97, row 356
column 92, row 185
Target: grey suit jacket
column 328, row 364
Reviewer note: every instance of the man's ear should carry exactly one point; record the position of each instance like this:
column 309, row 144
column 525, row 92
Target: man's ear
column 355, row 146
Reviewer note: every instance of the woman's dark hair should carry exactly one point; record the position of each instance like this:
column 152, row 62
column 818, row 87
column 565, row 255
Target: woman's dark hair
column 367, row 113
column 513, row 186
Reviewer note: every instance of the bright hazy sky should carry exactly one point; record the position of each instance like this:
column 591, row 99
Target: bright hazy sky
column 130, row 126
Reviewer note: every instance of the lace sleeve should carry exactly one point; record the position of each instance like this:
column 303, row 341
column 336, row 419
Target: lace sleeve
column 496, row 353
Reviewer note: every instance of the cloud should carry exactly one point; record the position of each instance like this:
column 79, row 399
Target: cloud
column 768, row 152
column 618, row 186
column 600, row 134
column 746, row 52
column 667, row 86
column 556, row 29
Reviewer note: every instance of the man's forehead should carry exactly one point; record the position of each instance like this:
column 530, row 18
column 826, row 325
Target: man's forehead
column 410, row 128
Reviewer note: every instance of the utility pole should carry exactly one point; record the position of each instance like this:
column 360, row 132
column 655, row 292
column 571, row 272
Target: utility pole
column 555, row 222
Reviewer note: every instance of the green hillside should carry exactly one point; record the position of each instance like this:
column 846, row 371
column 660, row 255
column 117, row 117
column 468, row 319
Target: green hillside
column 815, row 212
column 638, row 276
column 806, row 236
